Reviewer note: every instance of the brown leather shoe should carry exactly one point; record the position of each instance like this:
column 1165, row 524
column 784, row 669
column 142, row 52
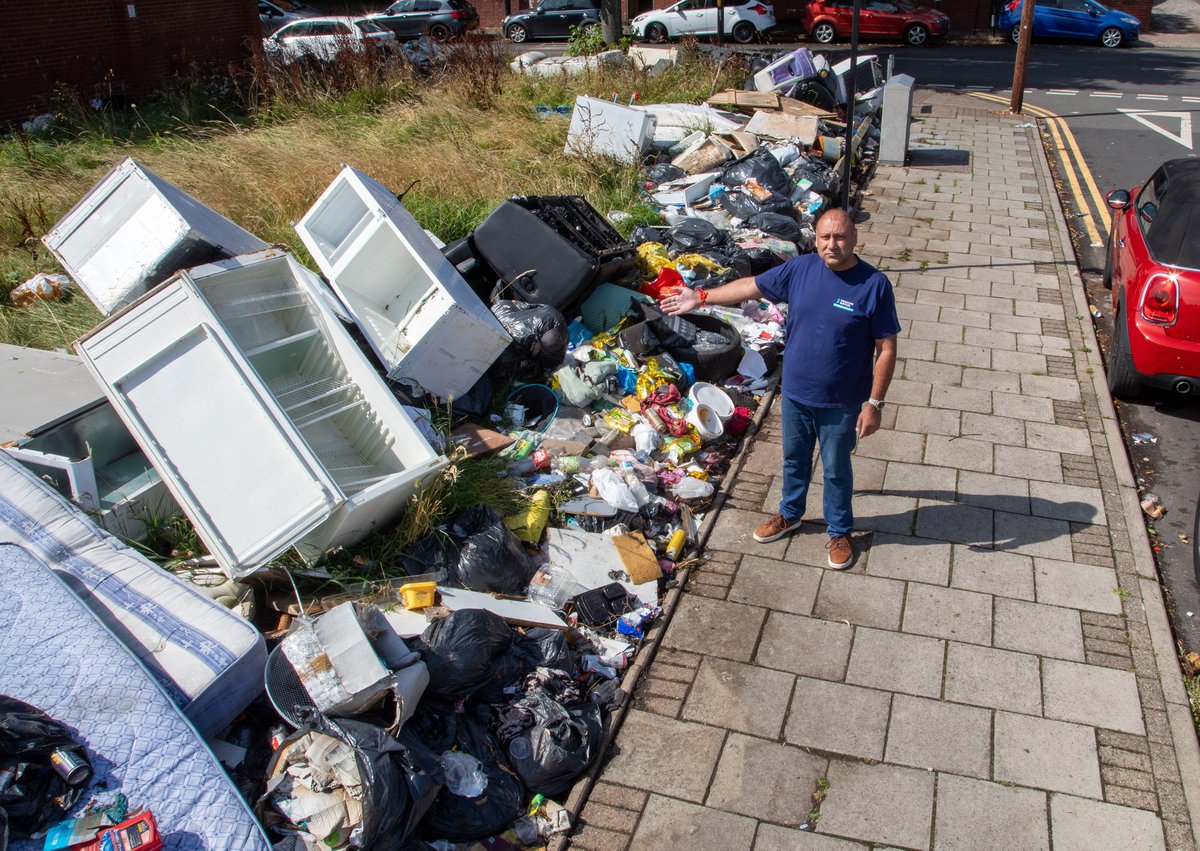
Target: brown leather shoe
column 774, row 528
column 841, row 552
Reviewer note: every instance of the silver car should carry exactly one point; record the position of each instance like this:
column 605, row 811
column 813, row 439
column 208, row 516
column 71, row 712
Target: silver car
column 323, row 38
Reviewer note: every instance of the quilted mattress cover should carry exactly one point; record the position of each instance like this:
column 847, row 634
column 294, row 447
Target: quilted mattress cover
column 207, row 658
column 62, row 659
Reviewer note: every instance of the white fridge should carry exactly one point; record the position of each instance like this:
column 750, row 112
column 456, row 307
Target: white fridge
column 424, row 322
column 267, row 423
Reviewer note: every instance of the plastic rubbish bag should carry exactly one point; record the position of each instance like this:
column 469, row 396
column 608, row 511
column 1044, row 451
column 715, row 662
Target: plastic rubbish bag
column 613, row 489
column 464, row 774
column 693, row 234
column 490, row 556
column 460, row 651
column 461, row 819
column 761, row 166
column 782, row 226
column 37, row 796
column 540, row 338
column 647, row 233
column 475, row 402
column 744, row 206
column 574, row 389
column 557, row 743
column 689, row 487
column 664, row 172
column 41, row 287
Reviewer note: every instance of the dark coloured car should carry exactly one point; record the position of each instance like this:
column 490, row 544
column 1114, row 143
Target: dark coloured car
column 551, row 19
column 1082, row 20
column 1153, row 268
column 273, row 14
column 829, row 20
column 440, row 19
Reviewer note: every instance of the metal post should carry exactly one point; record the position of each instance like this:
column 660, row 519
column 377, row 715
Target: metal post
column 851, row 94
column 720, row 23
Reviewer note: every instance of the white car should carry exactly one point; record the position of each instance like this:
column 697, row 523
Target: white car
column 743, row 23
column 324, row 38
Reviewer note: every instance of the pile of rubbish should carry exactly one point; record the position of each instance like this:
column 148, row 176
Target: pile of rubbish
column 463, row 699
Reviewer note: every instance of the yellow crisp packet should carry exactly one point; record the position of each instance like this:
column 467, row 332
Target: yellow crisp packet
column 652, row 258
column 620, row 419
column 692, row 261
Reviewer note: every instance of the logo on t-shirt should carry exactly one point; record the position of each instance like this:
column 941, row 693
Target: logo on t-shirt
column 843, row 304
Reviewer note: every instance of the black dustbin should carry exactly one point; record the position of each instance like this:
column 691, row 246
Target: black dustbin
column 561, row 240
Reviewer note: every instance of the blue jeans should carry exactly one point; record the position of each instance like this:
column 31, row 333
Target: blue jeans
column 833, row 428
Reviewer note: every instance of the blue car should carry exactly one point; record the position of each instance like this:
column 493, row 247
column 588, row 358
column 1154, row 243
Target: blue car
column 1072, row 19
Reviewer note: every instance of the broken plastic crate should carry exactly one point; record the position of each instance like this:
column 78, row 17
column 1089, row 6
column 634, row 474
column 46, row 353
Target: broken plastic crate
column 421, row 318
column 266, row 421
column 134, row 230
column 569, row 246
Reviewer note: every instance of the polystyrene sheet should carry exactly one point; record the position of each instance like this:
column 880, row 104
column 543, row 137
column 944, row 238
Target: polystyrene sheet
column 60, row 658
column 207, row 658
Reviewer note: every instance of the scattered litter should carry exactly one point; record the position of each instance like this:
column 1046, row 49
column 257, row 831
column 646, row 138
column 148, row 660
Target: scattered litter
column 41, row 287
column 1095, row 311
column 1153, row 507
column 1143, row 437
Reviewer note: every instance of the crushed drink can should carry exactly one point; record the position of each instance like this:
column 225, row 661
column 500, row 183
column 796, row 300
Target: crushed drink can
column 70, row 766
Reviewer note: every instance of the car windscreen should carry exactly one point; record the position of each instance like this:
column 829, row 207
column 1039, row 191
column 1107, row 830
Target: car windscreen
column 1174, row 240
column 369, row 26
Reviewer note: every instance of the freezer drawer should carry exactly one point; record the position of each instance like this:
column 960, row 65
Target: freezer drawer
column 423, row 321
column 133, row 230
column 267, row 423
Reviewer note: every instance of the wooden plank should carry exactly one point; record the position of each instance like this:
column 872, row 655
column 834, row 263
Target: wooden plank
column 799, row 107
column 749, row 100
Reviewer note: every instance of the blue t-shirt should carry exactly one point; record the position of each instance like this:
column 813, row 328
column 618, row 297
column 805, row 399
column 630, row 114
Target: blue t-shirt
column 833, row 321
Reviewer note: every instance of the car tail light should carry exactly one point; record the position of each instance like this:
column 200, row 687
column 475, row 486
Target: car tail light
column 457, row 14
column 1012, row 6
column 758, row 9
column 1160, row 300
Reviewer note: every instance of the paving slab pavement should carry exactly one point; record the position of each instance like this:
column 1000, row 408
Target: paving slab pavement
column 996, row 670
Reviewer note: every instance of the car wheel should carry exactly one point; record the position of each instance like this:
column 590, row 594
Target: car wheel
column 1123, row 379
column 824, row 33
column 657, row 33
column 1112, row 37
column 744, row 32
column 439, row 32
column 916, row 35
column 589, row 29
column 1014, row 35
column 517, row 34
column 1108, row 262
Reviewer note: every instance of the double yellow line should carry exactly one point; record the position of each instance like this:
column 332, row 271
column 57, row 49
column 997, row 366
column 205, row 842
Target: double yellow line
column 1094, row 220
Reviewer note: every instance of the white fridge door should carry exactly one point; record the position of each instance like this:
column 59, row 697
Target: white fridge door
column 233, row 461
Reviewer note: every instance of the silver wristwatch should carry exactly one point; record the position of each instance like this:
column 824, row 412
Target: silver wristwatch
column 876, row 403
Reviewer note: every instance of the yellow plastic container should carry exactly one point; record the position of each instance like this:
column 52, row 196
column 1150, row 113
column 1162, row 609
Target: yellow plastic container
column 418, row 595
column 529, row 524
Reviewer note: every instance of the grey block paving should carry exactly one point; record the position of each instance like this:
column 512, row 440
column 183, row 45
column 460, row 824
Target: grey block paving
column 746, row 761
column 932, row 734
column 1045, row 754
column 880, row 803
column 1083, row 825
column 971, row 681
column 857, row 727
column 974, row 815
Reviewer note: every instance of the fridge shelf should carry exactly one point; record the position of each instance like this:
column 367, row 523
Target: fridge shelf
column 281, row 342
column 258, row 304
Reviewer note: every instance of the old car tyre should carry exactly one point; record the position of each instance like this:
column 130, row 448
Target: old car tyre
column 815, row 93
column 1123, row 379
column 744, row 32
column 1112, row 37
column 1014, row 35
column 823, row 33
column 656, row 33
column 712, row 364
column 916, row 35
column 439, row 32
column 517, row 33
column 590, row 28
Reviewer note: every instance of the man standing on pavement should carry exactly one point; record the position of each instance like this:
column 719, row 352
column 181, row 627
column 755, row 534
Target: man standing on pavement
column 837, row 365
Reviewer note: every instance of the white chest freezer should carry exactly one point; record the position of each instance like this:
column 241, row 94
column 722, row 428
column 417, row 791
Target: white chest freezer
column 423, row 321
column 133, row 230
column 603, row 128
column 267, row 423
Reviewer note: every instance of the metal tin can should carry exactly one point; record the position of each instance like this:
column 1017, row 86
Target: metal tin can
column 70, row 766
column 676, row 544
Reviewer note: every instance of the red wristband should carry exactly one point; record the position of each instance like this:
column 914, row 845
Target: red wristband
column 703, row 297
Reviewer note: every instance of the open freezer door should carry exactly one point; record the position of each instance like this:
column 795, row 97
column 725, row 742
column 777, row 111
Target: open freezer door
column 238, row 468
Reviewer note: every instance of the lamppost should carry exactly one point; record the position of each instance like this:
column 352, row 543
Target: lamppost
column 851, row 94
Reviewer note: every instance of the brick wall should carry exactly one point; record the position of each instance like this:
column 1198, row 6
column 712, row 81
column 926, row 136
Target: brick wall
column 96, row 47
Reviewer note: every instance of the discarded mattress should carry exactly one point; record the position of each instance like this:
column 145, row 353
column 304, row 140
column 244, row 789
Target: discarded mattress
column 204, row 656
column 63, row 660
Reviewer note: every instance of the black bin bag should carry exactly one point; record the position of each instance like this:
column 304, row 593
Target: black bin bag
column 37, row 796
column 539, row 334
column 559, row 744
column 474, row 654
column 490, row 557
column 761, row 166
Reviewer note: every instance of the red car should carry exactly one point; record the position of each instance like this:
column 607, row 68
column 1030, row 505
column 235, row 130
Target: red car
column 1153, row 268
column 826, row 20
